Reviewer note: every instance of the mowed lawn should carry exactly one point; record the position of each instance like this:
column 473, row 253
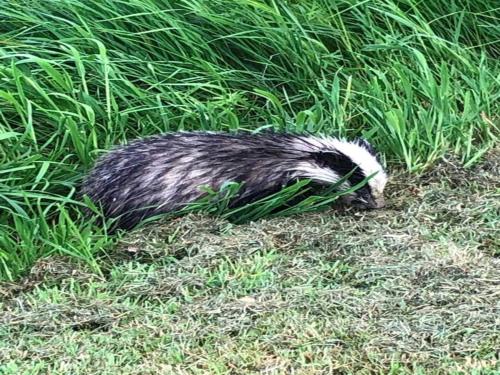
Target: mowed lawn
column 413, row 288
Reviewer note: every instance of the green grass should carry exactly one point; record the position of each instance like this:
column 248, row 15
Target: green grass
column 412, row 289
column 419, row 79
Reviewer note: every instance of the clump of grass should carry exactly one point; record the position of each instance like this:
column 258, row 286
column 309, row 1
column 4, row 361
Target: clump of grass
column 418, row 79
column 299, row 197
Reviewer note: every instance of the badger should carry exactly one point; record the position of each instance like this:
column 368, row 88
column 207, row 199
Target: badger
column 163, row 173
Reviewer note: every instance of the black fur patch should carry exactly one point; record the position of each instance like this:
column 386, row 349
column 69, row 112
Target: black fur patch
column 340, row 163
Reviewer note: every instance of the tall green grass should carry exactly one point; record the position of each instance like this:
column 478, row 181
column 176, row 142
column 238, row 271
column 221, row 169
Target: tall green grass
column 418, row 79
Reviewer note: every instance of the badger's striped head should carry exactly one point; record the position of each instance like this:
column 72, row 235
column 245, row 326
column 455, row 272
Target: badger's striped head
column 336, row 158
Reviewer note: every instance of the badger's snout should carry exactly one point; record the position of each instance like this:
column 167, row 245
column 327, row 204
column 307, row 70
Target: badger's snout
column 363, row 203
column 377, row 203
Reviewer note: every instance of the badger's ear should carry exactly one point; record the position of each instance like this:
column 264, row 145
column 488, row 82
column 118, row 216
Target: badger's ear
column 366, row 145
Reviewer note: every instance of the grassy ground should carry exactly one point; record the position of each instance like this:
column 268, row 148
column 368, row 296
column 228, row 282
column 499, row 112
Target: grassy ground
column 418, row 79
column 410, row 289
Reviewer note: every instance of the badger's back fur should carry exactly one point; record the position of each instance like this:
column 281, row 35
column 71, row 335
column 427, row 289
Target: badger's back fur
column 161, row 174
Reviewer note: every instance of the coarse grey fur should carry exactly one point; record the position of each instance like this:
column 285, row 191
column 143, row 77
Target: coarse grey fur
column 162, row 173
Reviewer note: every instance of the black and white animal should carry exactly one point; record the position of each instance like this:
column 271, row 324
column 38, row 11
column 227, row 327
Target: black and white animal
column 163, row 173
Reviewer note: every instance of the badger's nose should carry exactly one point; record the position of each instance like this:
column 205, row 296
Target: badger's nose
column 376, row 203
column 379, row 203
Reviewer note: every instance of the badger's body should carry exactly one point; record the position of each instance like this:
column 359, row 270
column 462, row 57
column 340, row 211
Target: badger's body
column 163, row 173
